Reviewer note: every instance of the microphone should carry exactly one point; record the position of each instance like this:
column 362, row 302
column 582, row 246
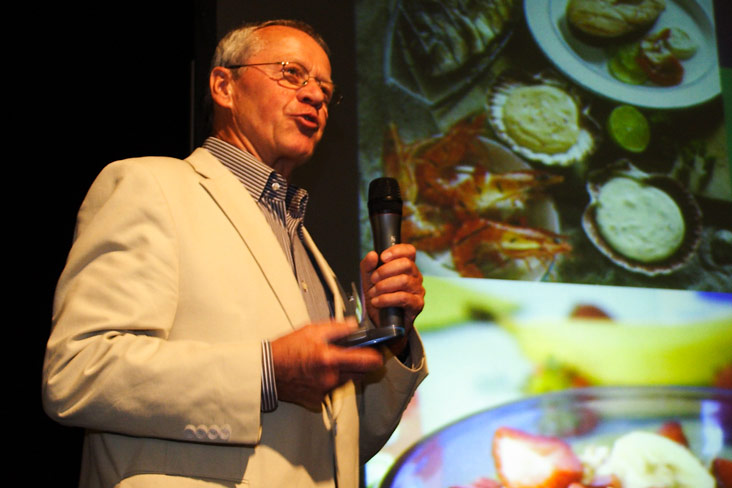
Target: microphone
column 385, row 214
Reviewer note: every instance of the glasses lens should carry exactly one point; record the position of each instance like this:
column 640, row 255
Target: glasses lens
column 295, row 74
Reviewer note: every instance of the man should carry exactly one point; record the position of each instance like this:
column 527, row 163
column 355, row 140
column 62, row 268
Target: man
column 193, row 320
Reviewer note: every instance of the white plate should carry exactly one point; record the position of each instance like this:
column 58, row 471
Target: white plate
column 587, row 65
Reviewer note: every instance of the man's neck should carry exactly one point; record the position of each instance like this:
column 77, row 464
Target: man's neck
column 283, row 166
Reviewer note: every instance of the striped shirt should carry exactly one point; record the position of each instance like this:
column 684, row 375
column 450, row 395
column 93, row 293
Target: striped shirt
column 283, row 206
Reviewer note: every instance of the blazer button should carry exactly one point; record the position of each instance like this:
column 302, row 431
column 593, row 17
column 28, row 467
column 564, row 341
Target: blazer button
column 225, row 432
column 213, row 432
column 201, row 432
column 189, row 432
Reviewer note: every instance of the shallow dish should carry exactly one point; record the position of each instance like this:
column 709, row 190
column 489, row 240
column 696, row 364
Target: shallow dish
column 412, row 48
column 587, row 64
column 461, row 453
column 588, row 133
column 687, row 205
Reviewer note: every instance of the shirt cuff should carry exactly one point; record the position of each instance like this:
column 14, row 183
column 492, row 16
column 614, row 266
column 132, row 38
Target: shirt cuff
column 269, row 389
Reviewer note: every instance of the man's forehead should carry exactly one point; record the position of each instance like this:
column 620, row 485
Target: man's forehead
column 288, row 41
column 275, row 37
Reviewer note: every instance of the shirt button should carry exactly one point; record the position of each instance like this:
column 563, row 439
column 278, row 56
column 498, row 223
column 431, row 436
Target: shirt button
column 275, row 186
column 304, row 286
column 213, row 432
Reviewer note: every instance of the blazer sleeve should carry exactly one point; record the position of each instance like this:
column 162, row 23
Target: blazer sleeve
column 385, row 395
column 109, row 363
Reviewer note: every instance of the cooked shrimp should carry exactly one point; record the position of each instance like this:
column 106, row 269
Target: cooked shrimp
column 481, row 246
column 453, row 204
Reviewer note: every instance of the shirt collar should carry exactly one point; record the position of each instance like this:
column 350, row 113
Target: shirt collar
column 261, row 181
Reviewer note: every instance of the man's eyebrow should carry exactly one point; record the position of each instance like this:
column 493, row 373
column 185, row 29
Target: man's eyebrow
column 309, row 67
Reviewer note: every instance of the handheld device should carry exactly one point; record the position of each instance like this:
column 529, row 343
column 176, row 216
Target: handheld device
column 368, row 337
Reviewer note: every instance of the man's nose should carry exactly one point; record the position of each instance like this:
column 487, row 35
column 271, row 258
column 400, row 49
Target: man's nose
column 312, row 94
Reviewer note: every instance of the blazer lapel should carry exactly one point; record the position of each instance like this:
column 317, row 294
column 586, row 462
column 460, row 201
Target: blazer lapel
column 333, row 402
column 330, row 278
column 246, row 217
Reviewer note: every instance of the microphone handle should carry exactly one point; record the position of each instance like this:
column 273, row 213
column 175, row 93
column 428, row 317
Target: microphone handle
column 386, row 230
column 392, row 317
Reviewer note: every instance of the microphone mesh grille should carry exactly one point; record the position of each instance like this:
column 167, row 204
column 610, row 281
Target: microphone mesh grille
column 384, row 188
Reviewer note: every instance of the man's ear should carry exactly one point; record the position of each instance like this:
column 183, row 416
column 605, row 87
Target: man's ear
column 221, row 84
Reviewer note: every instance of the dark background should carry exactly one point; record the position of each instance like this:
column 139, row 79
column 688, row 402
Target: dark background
column 126, row 79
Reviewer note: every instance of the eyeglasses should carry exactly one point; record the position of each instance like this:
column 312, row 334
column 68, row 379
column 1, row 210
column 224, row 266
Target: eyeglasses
column 294, row 75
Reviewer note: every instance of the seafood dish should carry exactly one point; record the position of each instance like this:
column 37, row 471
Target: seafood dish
column 436, row 47
column 645, row 223
column 639, row 221
column 447, row 33
column 612, row 19
column 469, row 210
column 541, row 119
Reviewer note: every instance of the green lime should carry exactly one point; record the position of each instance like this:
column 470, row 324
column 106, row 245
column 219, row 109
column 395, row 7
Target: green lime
column 624, row 67
column 629, row 128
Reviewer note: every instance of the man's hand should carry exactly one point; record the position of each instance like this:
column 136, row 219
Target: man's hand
column 396, row 283
column 307, row 366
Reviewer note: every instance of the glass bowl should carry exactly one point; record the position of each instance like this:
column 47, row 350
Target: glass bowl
column 460, row 453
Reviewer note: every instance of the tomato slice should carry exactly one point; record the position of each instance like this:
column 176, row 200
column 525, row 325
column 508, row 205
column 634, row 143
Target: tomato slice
column 666, row 72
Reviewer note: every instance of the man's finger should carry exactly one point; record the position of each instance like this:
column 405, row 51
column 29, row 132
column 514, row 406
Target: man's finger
column 336, row 330
column 357, row 359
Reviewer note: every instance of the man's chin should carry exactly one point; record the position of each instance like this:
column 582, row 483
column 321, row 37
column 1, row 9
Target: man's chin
column 301, row 153
column 302, row 158
column 292, row 159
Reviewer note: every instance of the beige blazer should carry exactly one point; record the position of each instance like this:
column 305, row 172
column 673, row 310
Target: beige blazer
column 173, row 280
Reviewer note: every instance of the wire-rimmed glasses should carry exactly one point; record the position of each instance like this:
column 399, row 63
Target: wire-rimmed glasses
column 296, row 76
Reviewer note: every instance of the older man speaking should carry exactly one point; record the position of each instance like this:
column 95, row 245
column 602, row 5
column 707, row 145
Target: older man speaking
column 194, row 321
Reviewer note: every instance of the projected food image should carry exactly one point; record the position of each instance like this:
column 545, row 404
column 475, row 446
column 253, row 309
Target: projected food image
column 642, row 438
column 566, row 181
column 433, row 46
column 542, row 119
column 468, row 203
column 653, row 58
column 562, row 140
column 639, row 458
column 649, row 224
column 608, row 19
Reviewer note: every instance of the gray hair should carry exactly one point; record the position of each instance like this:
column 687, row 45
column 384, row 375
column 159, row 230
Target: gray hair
column 240, row 44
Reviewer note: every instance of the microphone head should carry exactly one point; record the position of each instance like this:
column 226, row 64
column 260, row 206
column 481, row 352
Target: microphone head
column 384, row 196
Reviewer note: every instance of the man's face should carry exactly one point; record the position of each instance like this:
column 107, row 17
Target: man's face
column 279, row 124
